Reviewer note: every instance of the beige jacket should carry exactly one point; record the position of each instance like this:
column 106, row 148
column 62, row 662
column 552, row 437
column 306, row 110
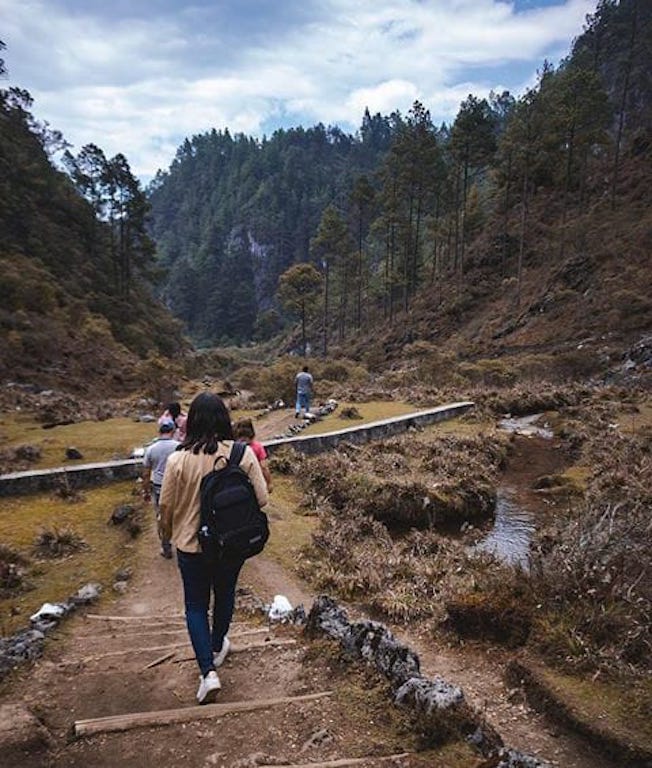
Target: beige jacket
column 179, row 502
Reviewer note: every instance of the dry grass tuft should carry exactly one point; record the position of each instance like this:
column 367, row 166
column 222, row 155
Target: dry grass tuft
column 285, row 461
column 380, row 508
column 594, row 576
column 67, row 492
column 411, row 482
column 12, row 572
column 58, row 542
column 502, row 611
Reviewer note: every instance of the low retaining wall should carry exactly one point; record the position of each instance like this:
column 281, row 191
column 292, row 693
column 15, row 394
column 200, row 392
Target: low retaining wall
column 85, row 475
column 375, row 430
column 77, row 476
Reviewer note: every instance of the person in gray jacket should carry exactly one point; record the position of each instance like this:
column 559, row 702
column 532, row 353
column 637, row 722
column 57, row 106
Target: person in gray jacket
column 304, row 382
column 154, row 462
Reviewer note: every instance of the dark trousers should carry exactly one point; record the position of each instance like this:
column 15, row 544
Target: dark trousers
column 200, row 577
column 156, row 497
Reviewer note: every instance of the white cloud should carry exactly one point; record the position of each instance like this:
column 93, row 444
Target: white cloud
column 139, row 85
column 384, row 98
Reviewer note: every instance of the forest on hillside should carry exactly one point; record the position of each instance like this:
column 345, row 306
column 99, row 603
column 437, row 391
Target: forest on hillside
column 78, row 265
column 523, row 223
column 407, row 217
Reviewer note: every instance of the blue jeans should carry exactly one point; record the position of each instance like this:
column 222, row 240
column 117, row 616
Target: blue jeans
column 199, row 577
column 303, row 401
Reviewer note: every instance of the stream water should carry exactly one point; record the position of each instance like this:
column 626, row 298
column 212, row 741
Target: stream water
column 509, row 539
column 514, row 525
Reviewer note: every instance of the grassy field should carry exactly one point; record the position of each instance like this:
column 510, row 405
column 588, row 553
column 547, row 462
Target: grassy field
column 107, row 548
column 372, row 411
column 96, row 440
column 116, row 438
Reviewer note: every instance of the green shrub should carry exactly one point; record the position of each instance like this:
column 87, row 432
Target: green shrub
column 271, row 382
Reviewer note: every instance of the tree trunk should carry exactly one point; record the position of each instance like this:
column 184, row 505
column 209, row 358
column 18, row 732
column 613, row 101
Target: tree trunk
column 521, row 242
column 358, row 309
column 504, row 254
column 326, row 278
column 623, row 107
column 567, row 180
column 415, row 252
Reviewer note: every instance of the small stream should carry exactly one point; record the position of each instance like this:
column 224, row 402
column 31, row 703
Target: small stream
column 509, row 539
column 514, row 525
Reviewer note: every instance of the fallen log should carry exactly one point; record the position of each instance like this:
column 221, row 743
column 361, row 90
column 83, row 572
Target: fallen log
column 183, row 715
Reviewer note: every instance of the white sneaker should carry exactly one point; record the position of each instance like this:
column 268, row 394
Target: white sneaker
column 218, row 658
column 208, row 688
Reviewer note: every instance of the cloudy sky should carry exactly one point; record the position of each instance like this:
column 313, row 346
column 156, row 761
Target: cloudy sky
column 138, row 76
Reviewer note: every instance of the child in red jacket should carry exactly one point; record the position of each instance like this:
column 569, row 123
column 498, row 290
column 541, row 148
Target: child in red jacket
column 243, row 430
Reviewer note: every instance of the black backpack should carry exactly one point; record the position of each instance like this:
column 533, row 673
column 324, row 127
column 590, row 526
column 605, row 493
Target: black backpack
column 232, row 525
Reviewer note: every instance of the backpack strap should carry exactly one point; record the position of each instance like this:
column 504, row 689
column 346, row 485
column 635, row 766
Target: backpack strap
column 235, row 457
column 237, row 452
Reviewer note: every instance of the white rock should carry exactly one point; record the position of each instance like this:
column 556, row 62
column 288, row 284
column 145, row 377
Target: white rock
column 280, row 608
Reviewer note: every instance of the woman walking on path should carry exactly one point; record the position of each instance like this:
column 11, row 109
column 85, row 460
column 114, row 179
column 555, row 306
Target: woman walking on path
column 209, row 440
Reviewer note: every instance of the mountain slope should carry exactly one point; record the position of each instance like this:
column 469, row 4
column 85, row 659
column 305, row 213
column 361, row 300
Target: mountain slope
column 63, row 320
column 522, row 225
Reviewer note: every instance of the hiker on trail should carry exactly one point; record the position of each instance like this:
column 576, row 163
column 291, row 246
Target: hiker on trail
column 304, row 382
column 209, row 441
column 244, row 431
column 174, row 413
column 154, row 461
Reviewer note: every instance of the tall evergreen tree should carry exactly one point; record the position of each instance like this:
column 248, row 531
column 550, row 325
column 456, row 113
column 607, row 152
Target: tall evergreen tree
column 362, row 197
column 332, row 246
column 473, row 141
column 298, row 292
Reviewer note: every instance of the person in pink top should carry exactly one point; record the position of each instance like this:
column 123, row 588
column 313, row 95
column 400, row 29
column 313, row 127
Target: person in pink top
column 174, row 413
column 243, row 430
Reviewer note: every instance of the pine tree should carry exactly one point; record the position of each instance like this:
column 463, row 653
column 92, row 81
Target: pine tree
column 298, row 293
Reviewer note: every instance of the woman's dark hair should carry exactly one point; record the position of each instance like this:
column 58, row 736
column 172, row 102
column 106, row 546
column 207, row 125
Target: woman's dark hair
column 174, row 409
column 208, row 423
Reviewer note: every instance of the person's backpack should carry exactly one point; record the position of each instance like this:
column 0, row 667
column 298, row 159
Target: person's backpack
column 232, row 525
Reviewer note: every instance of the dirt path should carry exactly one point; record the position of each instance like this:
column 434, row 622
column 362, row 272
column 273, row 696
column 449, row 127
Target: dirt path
column 99, row 667
column 275, row 423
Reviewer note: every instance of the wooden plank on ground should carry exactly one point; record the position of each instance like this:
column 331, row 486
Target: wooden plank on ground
column 181, row 630
column 129, row 651
column 106, row 617
column 250, row 647
column 174, row 647
column 150, row 617
column 183, row 715
column 160, row 660
column 341, row 762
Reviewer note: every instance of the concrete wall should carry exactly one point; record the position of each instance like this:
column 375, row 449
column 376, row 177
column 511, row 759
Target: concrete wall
column 85, row 475
column 77, row 476
column 375, row 430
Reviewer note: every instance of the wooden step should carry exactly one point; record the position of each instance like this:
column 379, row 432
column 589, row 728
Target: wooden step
column 183, row 715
